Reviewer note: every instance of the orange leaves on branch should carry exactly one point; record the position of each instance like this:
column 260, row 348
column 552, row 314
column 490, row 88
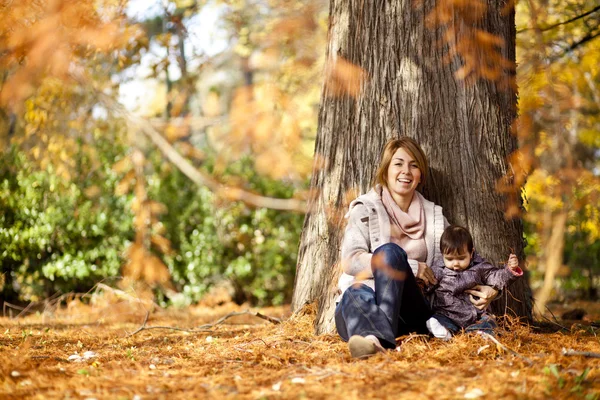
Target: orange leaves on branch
column 174, row 132
column 480, row 51
column 470, row 11
column 123, row 165
column 273, row 120
column 263, row 120
column 191, row 151
column 144, row 266
column 125, row 184
column 44, row 38
column 161, row 243
column 481, row 57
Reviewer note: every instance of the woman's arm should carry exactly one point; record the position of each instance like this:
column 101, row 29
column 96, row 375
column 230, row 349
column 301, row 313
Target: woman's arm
column 494, row 280
column 356, row 245
column 481, row 296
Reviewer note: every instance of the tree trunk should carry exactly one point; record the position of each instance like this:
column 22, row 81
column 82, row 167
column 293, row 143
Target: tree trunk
column 552, row 259
column 410, row 90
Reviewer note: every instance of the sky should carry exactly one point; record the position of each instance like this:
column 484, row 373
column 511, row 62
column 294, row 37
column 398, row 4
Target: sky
column 205, row 37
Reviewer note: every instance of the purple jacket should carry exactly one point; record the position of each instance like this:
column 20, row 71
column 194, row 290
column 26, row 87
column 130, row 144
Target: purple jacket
column 449, row 298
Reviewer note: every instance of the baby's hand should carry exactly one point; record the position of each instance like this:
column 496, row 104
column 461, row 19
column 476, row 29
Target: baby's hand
column 513, row 262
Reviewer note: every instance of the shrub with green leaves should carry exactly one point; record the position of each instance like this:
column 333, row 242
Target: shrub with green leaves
column 255, row 249
column 52, row 236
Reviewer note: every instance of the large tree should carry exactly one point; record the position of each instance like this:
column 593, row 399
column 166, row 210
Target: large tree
column 441, row 74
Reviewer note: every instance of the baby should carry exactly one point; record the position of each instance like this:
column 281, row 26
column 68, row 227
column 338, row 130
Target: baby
column 460, row 269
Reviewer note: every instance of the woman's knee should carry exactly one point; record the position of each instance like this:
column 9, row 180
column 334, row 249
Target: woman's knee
column 360, row 293
column 392, row 255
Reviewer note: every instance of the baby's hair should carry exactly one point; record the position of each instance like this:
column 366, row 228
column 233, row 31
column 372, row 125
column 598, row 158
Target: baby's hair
column 454, row 240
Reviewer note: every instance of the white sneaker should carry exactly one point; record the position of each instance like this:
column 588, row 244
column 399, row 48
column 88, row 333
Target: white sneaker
column 438, row 330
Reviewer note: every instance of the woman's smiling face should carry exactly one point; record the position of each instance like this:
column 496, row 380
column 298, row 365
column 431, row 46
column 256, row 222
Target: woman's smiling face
column 403, row 175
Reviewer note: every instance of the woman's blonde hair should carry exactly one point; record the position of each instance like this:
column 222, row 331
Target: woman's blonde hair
column 412, row 147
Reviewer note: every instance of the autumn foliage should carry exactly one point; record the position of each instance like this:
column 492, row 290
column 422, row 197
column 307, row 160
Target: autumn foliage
column 246, row 142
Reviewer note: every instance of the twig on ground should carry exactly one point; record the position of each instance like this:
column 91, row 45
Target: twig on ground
column 570, row 352
column 322, row 373
column 206, row 327
column 11, row 307
column 555, row 319
column 511, row 351
column 556, row 323
column 26, row 309
column 234, row 314
column 51, row 302
column 553, row 316
column 414, row 336
column 124, row 295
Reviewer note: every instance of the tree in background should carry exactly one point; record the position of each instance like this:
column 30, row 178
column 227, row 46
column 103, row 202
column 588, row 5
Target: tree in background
column 441, row 72
column 559, row 135
column 241, row 139
column 61, row 225
column 57, row 118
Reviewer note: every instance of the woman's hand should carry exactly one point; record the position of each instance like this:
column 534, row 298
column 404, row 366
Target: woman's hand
column 426, row 274
column 485, row 293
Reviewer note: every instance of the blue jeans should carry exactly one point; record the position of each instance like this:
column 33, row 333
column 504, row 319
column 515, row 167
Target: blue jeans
column 394, row 308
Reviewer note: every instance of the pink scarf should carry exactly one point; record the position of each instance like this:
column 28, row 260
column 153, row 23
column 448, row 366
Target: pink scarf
column 411, row 223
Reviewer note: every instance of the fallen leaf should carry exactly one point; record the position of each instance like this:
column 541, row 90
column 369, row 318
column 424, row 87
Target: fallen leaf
column 474, row 393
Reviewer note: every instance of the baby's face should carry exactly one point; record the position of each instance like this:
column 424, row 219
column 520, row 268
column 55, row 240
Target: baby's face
column 458, row 261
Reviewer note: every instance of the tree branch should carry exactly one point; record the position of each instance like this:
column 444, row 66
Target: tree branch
column 587, row 38
column 493, row 339
column 580, row 353
column 201, row 179
column 206, row 327
column 575, row 18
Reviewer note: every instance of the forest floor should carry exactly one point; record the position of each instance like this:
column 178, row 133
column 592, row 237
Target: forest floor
column 108, row 349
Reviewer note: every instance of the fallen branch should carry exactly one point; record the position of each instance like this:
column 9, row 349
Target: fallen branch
column 589, row 354
column 555, row 319
column 124, row 295
column 206, row 327
column 493, row 339
column 247, row 312
column 411, row 337
column 11, row 307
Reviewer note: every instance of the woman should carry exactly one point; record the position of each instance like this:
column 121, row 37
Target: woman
column 391, row 240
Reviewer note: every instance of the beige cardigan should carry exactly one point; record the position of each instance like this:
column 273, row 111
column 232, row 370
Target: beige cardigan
column 369, row 227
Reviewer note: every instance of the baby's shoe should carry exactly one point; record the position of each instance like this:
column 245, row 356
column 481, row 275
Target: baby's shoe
column 437, row 329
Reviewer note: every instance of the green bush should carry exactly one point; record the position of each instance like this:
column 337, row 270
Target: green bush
column 53, row 238
column 255, row 249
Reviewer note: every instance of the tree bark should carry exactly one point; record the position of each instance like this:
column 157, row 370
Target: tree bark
column 410, row 90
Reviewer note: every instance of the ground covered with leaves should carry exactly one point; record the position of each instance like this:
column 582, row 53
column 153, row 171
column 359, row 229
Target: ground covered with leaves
column 115, row 349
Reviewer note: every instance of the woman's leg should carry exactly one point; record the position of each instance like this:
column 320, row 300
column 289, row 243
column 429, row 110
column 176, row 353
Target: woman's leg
column 396, row 306
column 398, row 295
column 358, row 314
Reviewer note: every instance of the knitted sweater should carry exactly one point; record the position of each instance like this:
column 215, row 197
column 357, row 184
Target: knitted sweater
column 369, row 227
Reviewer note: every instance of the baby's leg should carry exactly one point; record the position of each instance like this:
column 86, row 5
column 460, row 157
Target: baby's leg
column 487, row 323
column 441, row 327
